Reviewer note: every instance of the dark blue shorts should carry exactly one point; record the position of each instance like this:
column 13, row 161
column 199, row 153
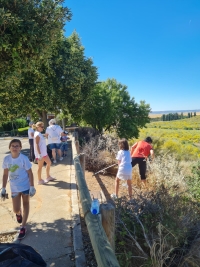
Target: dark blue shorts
column 54, row 146
column 26, row 192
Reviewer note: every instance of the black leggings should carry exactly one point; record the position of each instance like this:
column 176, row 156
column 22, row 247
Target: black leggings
column 31, row 154
column 142, row 166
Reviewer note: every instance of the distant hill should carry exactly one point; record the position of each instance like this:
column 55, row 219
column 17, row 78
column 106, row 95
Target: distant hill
column 174, row 111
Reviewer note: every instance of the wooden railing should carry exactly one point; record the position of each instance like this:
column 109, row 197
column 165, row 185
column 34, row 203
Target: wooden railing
column 103, row 251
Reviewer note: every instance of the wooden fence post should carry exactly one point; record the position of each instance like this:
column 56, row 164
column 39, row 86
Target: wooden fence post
column 77, row 146
column 108, row 222
column 82, row 162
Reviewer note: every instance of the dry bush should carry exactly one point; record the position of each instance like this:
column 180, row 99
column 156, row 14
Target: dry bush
column 161, row 224
column 156, row 229
column 100, row 152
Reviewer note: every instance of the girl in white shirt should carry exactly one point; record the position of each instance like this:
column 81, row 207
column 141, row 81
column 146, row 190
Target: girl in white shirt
column 125, row 168
column 18, row 168
column 40, row 150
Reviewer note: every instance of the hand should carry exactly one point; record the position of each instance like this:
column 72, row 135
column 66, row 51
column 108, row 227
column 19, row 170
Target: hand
column 3, row 193
column 32, row 191
column 39, row 156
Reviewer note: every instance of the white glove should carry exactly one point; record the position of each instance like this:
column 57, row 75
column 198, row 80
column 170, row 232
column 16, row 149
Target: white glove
column 3, row 193
column 32, row 191
column 39, row 156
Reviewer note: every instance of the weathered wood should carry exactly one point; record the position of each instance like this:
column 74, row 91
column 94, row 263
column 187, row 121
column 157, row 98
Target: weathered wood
column 77, row 146
column 108, row 222
column 104, row 254
column 82, row 162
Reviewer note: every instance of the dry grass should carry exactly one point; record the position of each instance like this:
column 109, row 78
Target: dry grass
column 152, row 115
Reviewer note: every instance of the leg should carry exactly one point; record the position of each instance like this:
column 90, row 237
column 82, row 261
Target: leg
column 54, row 154
column 129, row 188
column 39, row 172
column 59, row 153
column 142, row 169
column 48, row 162
column 17, row 204
column 117, row 186
column 25, row 199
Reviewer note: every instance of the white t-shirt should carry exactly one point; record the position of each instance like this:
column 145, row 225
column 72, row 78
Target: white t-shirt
column 125, row 166
column 30, row 130
column 54, row 132
column 17, row 172
column 42, row 145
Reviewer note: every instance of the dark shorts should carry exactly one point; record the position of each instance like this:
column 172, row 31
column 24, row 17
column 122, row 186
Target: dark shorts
column 26, row 192
column 55, row 146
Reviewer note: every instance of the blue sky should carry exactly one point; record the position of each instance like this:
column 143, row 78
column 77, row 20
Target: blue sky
column 151, row 46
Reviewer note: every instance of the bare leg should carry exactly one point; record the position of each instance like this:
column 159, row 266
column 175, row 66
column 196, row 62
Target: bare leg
column 59, row 153
column 17, row 204
column 54, row 153
column 25, row 199
column 48, row 162
column 40, row 165
column 116, row 186
column 129, row 188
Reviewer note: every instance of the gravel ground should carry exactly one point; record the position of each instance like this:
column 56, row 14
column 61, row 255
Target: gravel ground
column 7, row 238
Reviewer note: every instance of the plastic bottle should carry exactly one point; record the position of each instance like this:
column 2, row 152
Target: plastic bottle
column 95, row 206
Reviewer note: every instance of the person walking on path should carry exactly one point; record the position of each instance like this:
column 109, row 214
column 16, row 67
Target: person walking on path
column 40, row 150
column 31, row 142
column 125, row 169
column 18, row 168
column 53, row 133
column 140, row 151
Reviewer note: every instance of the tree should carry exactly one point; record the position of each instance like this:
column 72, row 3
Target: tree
column 62, row 84
column 111, row 108
column 28, row 31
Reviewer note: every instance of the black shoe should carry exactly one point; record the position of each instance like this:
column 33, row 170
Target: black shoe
column 22, row 233
column 19, row 218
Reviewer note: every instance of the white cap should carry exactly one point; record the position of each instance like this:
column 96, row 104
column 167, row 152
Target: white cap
column 52, row 121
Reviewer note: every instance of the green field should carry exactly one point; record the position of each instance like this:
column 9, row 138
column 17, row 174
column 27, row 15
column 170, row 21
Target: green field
column 180, row 137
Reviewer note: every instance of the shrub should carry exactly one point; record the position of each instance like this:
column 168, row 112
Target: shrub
column 20, row 123
column 22, row 131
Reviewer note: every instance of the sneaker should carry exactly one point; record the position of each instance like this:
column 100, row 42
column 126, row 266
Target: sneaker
column 41, row 182
column 49, row 179
column 19, row 218
column 113, row 196
column 61, row 158
column 22, row 233
column 54, row 161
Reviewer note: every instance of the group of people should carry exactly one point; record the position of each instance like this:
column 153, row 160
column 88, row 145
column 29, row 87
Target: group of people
column 139, row 153
column 17, row 167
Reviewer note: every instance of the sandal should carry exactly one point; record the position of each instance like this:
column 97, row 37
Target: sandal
column 50, row 179
column 41, row 182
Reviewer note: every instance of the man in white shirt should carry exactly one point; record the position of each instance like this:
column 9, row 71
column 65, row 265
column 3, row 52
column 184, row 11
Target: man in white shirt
column 54, row 132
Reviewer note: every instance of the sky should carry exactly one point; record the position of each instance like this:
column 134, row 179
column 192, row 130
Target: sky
column 151, row 46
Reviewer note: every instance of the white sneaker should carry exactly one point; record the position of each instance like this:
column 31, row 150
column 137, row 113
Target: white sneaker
column 61, row 158
column 113, row 196
column 54, row 161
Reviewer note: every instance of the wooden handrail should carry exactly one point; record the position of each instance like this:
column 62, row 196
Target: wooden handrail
column 104, row 254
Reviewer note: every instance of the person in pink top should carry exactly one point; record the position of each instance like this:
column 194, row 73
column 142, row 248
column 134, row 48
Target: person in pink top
column 40, row 150
column 140, row 151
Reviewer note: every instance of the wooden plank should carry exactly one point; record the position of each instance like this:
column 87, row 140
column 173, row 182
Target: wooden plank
column 103, row 251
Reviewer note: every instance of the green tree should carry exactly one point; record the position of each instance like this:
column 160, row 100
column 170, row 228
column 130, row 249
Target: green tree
column 119, row 112
column 62, row 84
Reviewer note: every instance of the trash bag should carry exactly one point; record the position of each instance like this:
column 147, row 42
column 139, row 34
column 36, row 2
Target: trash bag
column 19, row 255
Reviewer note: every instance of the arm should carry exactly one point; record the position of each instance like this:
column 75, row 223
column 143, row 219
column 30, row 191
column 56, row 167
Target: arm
column 119, row 161
column 30, row 175
column 5, row 178
column 133, row 147
column 152, row 154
